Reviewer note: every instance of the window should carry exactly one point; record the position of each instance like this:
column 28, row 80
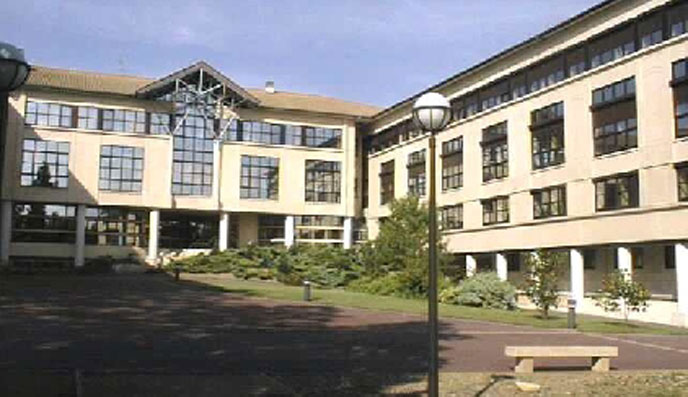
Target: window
column 386, row 182
column 160, row 123
column 180, row 230
column 546, row 73
column 616, row 192
column 117, row 226
column 49, row 114
column 416, row 173
column 270, row 229
column 260, row 132
column 678, row 20
column 589, row 258
column 575, row 59
column 495, row 210
column 45, row 163
column 494, row 95
column 513, row 262
column 612, row 46
column 121, row 168
column 680, row 87
column 650, row 30
column 495, row 152
column 614, row 117
column 682, row 176
column 547, row 127
column 669, row 257
column 452, row 164
column 322, row 137
column 43, row 223
column 192, row 161
column 637, row 257
column 294, row 135
column 280, row 134
column 465, row 106
column 88, row 118
column 451, row 217
column 323, row 181
column 124, row 120
column 549, row 202
column 259, row 177
column 316, row 228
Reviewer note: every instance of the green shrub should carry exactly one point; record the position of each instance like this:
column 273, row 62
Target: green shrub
column 482, row 290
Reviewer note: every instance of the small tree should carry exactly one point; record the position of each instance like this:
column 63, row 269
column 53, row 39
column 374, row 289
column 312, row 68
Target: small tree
column 620, row 293
column 543, row 275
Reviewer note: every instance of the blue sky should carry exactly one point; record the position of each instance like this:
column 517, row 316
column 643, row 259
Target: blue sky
column 376, row 52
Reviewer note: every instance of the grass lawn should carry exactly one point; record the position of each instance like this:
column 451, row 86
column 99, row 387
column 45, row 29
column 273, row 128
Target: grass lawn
column 338, row 297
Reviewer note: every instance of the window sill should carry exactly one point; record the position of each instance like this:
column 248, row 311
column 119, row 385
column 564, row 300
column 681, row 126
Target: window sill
column 496, row 180
column 615, row 154
column 536, row 171
column 452, row 190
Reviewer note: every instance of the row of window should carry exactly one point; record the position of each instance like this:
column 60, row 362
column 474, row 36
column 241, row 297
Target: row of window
column 141, row 122
column 611, row 193
column 651, row 28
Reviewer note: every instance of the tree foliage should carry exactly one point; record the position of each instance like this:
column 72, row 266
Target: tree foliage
column 544, row 269
column 620, row 293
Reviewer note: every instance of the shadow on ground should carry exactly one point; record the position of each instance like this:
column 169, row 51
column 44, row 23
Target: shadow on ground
column 148, row 335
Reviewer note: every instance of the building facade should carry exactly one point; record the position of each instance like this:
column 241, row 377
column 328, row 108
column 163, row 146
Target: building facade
column 575, row 140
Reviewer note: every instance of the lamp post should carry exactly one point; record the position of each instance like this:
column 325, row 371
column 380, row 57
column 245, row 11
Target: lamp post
column 432, row 113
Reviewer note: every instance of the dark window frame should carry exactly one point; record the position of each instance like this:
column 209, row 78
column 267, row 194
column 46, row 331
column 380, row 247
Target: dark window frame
column 56, row 226
column 544, row 206
column 610, row 197
column 45, row 158
column 495, row 152
column 323, row 181
column 121, row 168
column 386, row 182
column 495, row 210
column 416, row 175
column 452, row 164
column 451, row 217
column 254, row 171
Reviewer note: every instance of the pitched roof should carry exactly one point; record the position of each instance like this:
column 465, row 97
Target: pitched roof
column 114, row 84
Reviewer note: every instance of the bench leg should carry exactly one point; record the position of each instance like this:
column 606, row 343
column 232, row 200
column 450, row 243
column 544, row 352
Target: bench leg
column 524, row 365
column 600, row 364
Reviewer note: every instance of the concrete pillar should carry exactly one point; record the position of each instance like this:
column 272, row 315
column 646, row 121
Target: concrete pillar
column 223, row 240
column 577, row 276
column 80, row 242
column 625, row 261
column 288, row 231
column 501, row 266
column 471, row 266
column 682, row 278
column 5, row 230
column 348, row 232
column 153, row 232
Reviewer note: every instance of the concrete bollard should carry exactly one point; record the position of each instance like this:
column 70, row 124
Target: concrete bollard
column 177, row 270
column 572, row 313
column 307, row 291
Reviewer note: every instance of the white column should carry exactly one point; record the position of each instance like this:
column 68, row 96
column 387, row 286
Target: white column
column 471, row 266
column 80, row 242
column 288, row 231
column 682, row 277
column 223, row 242
column 577, row 276
column 625, row 261
column 501, row 266
column 5, row 230
column 348, row 232
column 153, row 231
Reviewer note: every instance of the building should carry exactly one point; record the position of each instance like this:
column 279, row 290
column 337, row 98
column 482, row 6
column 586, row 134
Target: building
column 115, row 165
column 575, row 140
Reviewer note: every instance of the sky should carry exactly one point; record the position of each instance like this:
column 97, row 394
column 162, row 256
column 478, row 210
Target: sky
column 371, row 51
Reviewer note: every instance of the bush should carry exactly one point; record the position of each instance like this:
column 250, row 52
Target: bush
column 620, row 293
column 482, row 290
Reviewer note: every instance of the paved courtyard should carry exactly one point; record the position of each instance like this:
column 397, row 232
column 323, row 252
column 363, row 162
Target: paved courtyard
column 132, row 332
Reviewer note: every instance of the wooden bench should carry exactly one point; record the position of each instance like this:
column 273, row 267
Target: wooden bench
column 524, row 355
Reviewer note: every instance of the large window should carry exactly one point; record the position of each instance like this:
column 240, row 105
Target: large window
column 549, row 202
column 121, row 168
column 546, row 73
column 680, row 87
column 386, row 182
column 495, row 152
column 547, row 127
column 452, row 164
column 49, row 114
column 88, row 118
column 323, row 181
column 116, row 226
column 682, row 176
column 496, row 210
column 179, row 230
column 452, row 217
column 416, row 173
column 192, row 165
column 616, row 192
column 612, row 46
column 280, row 134
column 678, row 19
column 322, row 137
column 614, row 117
column 270, row 229
column 160, row 123
column 319, row 228
column 259, row 177
column 124, row 120
column 43, row 223
column 45, row 163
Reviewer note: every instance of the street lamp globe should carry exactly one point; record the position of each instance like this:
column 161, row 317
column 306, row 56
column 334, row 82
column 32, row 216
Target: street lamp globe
column 432, row 112
column 13, row 67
